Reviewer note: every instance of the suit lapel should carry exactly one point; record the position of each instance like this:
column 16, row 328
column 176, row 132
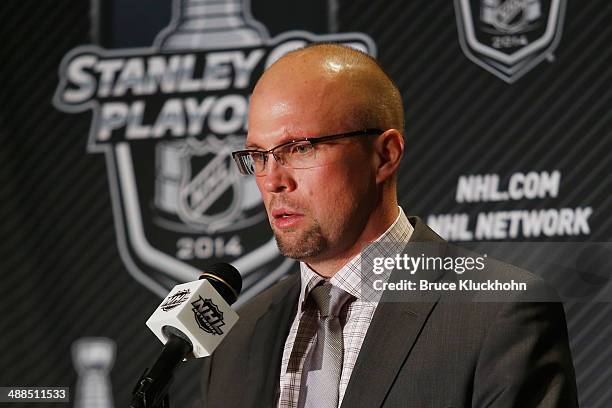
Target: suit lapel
column 398, row 326
column 267, row 344
column 394, row 330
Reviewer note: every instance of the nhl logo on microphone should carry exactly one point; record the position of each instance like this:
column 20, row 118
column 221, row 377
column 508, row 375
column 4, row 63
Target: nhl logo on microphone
column 196, row 310
column 175, row 300
column 208, row 316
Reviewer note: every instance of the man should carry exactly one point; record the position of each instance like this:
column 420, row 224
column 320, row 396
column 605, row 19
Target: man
column 325, row 143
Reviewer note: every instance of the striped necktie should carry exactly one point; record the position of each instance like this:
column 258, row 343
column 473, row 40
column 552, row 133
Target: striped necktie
column 323, row 365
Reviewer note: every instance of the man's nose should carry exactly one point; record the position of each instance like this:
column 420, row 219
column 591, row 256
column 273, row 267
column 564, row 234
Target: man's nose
column 277, row 177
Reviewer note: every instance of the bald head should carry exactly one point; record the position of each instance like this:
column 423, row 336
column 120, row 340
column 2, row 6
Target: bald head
column 344, row 75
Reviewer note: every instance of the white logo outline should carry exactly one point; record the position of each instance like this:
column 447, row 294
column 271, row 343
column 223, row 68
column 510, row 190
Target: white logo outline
column 508, row 67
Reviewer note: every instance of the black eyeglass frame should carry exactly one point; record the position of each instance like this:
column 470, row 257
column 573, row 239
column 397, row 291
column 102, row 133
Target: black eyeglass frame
column 313, row 140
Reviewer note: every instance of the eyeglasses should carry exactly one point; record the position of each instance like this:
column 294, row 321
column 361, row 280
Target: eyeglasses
column 295, row 154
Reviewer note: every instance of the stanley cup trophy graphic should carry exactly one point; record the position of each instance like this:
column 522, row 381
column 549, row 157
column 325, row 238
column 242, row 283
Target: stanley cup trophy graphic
column 210, row 24
column 196, row 179
column 93, row 358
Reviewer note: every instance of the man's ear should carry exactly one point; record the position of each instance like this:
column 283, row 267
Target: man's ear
column 389, row 148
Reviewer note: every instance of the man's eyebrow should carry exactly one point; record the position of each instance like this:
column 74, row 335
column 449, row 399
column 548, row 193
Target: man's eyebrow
column 285, row 139
column 252, row 146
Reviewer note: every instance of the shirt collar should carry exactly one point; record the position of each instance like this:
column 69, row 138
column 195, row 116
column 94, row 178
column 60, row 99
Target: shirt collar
column 349, row 278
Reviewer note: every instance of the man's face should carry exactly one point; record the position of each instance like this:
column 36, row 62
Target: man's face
column 319, row 212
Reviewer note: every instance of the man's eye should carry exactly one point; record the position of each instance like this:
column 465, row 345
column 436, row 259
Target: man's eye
column 258, row 157
column 301, row 148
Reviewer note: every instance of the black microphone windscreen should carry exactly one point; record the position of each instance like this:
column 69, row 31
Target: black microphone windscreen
column 225, row 279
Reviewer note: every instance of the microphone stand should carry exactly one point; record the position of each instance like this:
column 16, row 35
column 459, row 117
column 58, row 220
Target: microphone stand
column 151, row 391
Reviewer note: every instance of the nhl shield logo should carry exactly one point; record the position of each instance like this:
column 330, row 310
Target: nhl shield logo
column 509, row 37
column 208, row 316
column 175, row 300
column 167, row 119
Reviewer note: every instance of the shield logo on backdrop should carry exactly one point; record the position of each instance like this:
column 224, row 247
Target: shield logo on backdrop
column 509, row 37
column 167, row 118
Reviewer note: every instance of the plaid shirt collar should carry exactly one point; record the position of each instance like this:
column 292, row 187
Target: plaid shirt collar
column 349, row 277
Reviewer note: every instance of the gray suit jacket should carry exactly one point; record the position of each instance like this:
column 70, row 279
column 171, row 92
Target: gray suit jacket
column 416, row 354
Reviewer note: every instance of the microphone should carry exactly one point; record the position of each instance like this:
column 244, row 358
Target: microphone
column 191, row 321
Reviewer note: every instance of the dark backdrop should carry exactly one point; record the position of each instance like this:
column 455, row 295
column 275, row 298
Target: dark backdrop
column 64, row 279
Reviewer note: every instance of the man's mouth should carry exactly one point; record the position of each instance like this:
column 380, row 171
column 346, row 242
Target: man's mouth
column 286, row 218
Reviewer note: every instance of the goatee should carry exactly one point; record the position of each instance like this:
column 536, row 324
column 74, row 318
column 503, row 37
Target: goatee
column 301, row 245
